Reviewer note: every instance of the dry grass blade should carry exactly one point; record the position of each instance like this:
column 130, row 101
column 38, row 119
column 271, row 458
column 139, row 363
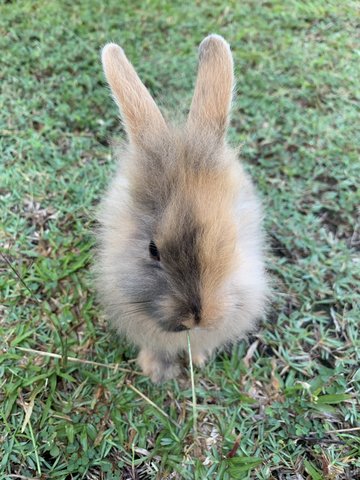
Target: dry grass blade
column 28, row 407
column 150, row 402
column 111, row 366
column 344, row 430
column 21, row 477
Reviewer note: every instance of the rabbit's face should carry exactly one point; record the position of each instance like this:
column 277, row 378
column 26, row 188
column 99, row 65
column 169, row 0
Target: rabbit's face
column 187, row 251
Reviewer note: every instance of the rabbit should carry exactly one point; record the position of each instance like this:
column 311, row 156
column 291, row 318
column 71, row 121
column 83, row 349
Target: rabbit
column 180, row 240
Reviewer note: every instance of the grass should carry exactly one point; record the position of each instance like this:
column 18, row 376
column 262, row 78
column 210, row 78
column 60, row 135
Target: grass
column 282, row 405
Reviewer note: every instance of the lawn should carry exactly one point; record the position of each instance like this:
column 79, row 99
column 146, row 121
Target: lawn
column 283, row 404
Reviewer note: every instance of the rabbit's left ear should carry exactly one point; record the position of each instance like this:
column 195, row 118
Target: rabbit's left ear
column 141, row 115
column 211, row 102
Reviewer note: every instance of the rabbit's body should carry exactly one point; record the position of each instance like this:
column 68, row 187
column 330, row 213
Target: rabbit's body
column 181, row 246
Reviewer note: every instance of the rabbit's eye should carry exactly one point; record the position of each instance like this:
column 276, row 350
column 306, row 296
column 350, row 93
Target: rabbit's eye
column 154, row 252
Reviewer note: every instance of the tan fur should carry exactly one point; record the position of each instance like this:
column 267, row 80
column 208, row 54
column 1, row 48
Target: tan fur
column 140, row 112
column 213, row 195
column 212, row 97
column 185, row 190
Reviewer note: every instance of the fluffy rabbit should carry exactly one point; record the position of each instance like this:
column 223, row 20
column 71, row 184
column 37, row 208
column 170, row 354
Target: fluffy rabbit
column 180, row 238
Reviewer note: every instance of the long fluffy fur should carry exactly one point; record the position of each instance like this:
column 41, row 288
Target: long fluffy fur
column 184, row 189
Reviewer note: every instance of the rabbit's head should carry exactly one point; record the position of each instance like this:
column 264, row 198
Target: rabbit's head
column 174, row 254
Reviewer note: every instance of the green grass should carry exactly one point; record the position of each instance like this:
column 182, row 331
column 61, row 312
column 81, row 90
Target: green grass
column 283, row 403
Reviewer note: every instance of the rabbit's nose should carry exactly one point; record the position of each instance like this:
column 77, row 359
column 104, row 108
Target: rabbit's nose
column 196, row 311
column 194, row 316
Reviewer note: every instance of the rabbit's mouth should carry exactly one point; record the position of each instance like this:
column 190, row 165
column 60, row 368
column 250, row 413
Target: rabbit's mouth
column 173, row 327
column 179, row 327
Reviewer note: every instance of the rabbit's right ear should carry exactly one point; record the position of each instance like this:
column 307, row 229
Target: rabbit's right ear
column 141, row 116
column 211, row 102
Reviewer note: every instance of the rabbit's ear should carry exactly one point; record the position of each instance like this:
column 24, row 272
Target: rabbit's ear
column 141, row 116
column 214, row 85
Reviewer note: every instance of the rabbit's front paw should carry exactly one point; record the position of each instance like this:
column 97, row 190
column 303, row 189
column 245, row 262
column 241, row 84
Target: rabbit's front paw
column 159, row 368
column 199, row 359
